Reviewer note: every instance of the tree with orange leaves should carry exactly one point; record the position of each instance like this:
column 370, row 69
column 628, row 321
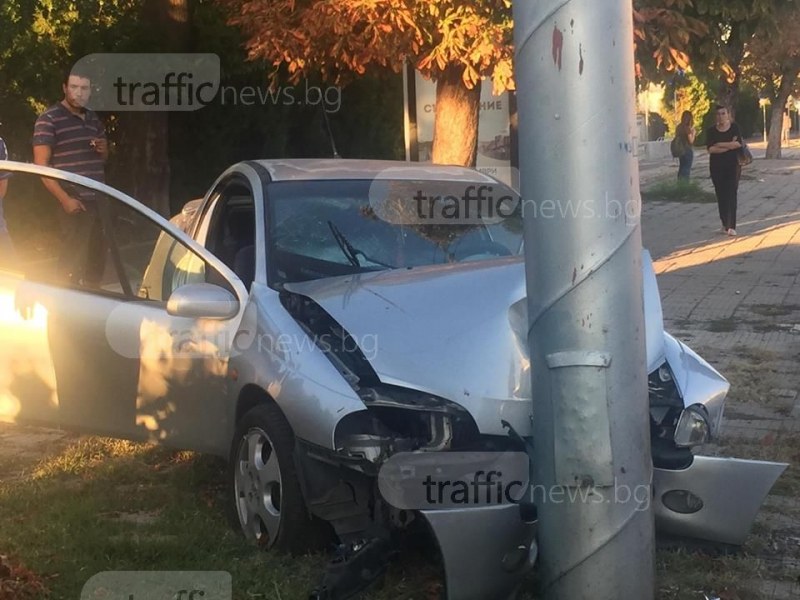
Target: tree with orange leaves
column 457, row 43
column 663, row 33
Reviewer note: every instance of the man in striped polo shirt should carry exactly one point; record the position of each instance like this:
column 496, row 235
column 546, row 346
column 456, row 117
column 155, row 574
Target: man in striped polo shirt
column 70, row 137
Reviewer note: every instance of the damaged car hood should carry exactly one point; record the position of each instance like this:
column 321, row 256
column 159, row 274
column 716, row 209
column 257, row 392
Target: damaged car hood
column 456, row 331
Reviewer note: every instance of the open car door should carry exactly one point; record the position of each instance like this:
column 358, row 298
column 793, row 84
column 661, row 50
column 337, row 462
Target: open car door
column 112, row 321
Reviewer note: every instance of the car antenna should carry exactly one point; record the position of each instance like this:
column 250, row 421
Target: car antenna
column 330, row 133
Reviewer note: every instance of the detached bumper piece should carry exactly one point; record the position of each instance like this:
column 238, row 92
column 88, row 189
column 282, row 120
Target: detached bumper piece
column 713, row 499
column 354, row 569
column 487, row 551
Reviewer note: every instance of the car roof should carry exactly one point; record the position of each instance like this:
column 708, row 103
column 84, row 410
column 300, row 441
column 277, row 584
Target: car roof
column 298, row 169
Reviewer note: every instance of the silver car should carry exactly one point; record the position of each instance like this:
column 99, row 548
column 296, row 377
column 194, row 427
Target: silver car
column 313, row 321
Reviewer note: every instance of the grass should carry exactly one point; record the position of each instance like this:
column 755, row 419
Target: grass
column 677, row 191
column 751, row 381
column 109, row 505
column 774, row 310
column 688, row 575
column 100, row 505
column 95, row 504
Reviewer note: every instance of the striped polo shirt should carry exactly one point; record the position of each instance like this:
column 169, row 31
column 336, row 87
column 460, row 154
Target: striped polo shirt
column 69, row 137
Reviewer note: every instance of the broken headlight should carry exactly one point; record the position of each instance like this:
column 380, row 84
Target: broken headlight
column 693, row 428
column 666, row 403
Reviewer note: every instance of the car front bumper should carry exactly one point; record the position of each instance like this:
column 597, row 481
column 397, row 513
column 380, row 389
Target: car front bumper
column 486, row 551
column 714, row 499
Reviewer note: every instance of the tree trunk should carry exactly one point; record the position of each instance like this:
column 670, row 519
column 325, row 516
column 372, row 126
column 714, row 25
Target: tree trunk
column 455, row 133
column 734, row 52
column 143, row 172
column 729, row 93
column 788, row 79
column 143, row 169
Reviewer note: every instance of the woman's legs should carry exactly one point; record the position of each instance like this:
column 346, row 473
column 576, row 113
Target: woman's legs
column 733, row 201
column 718, row 180
column 726, row 186
column 685, row 164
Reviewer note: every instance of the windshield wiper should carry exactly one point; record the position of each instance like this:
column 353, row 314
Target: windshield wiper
column 346, row 247
column 351, row 252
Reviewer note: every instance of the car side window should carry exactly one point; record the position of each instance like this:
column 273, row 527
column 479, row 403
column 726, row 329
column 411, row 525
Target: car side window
column 155, row 263
column 232, row 231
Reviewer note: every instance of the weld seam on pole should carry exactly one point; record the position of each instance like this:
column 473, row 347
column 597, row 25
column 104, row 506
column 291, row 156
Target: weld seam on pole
column 593, row 269
column 594, row 552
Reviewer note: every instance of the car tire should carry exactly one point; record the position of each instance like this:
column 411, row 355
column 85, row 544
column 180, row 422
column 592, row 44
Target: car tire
column 265, row 499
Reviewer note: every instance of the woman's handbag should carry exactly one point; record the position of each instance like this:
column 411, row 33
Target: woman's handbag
column 744, row 155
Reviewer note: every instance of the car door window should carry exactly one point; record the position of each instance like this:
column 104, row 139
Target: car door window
column 86, row 340
column 108, row 248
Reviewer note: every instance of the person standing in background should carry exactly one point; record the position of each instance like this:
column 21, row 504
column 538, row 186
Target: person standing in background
column 70, row 137
column 686, row 133
column 724, row 141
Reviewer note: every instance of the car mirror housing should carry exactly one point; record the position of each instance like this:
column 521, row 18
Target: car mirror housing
column 202, row 301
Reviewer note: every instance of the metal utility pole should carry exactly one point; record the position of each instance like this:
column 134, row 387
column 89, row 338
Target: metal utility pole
column 580, row 185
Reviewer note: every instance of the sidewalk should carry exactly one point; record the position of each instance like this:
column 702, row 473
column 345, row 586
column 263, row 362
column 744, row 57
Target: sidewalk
column 736, row 301
column 652, row 170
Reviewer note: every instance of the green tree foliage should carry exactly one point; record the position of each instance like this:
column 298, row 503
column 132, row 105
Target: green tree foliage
column 43, row 37
column 40, row 39
column 685, row 91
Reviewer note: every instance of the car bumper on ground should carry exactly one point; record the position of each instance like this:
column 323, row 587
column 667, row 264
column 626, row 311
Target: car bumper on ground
column 714, row 499
column 486, row 551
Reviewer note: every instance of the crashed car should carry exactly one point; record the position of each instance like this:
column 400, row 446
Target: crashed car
column 309, row 320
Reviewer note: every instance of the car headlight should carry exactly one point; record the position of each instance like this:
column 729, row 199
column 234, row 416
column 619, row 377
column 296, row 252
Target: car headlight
column 693, row 428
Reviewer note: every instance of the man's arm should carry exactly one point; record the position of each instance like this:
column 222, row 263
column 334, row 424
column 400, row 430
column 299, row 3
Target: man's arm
column 41, row 156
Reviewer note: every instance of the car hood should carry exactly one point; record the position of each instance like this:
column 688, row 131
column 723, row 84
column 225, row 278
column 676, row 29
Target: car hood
column 456, row 331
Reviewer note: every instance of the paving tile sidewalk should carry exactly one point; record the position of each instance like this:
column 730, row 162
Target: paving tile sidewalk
column 705, row 275
column 737, row 302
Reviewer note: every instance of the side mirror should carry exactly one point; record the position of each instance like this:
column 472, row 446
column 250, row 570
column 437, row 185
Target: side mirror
column 202, row 301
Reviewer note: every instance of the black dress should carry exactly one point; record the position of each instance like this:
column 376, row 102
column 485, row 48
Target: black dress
column 725, row 173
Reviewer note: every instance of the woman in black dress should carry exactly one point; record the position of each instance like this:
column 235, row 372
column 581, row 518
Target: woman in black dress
column 724, row 141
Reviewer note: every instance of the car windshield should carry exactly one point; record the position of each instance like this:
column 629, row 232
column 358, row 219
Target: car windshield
column 324, row 228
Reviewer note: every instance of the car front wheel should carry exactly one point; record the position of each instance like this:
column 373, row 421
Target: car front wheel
column 266, row 495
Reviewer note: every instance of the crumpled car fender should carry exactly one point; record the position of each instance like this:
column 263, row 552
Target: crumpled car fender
column 697, row 381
